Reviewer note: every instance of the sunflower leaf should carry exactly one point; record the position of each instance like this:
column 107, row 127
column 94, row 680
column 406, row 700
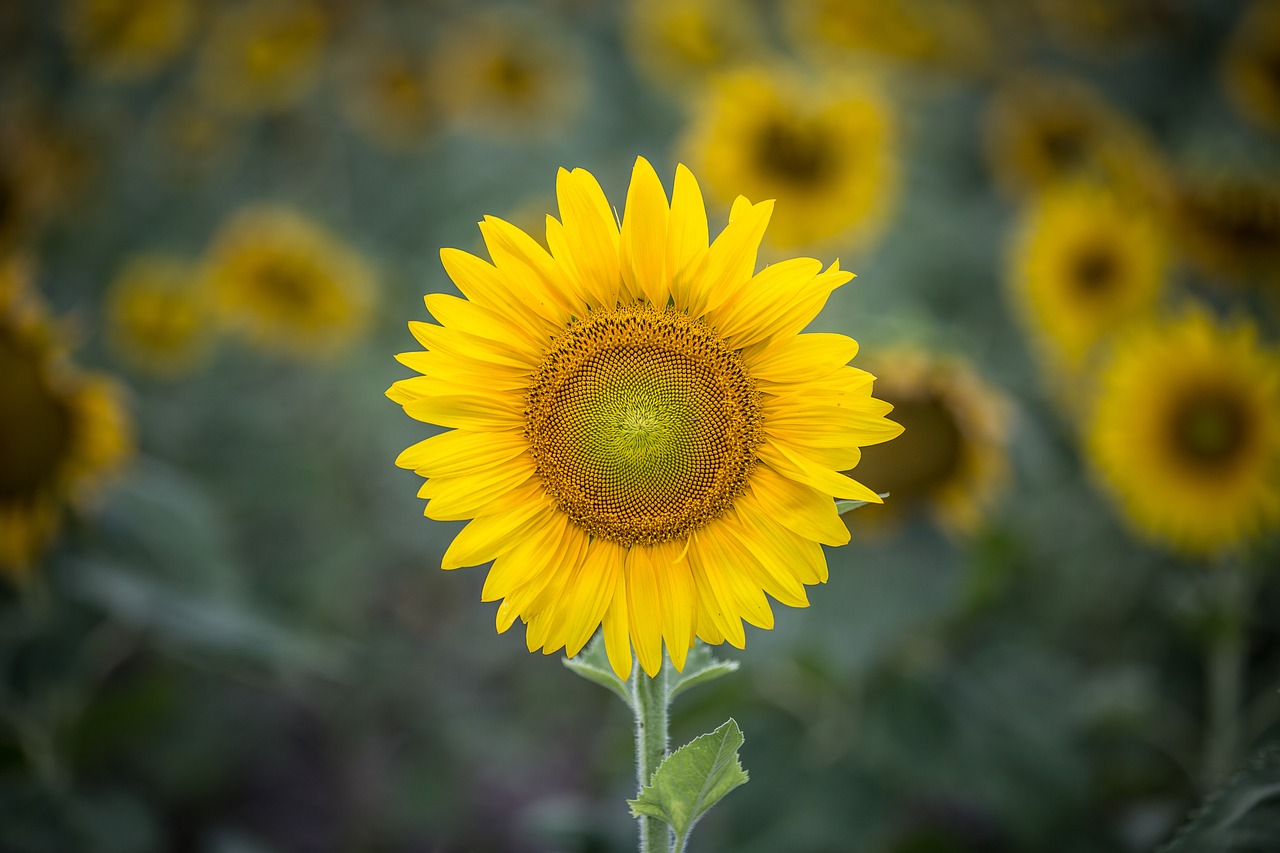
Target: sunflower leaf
column 592, row 663
column 693, row 779
column 847, row 506
column 1243, row 815
column 699, row 667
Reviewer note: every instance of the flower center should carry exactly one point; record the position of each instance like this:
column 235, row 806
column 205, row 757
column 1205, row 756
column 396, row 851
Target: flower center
column 286, row 285
column 35, row 433
column 1210, row 428
column 794, row 150
column 1095, row 270
column 927, row 457
column 643, row 424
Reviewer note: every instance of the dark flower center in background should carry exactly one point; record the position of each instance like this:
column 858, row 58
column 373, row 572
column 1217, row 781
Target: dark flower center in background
column 1210, row 428
column 925, row 457
column 35, row 430
column 286, row 285
column 795, row 151
column 1095, row 270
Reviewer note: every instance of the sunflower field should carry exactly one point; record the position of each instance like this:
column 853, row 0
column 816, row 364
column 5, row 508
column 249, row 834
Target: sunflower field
column 912, row 364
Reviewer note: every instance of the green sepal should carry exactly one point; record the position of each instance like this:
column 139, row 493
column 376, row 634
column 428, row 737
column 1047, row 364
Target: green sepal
column 847, row 506
column 699, row 667
column 592, row 663
column 693, row 779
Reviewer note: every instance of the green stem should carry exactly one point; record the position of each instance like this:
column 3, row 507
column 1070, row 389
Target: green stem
column 1225, row 676
column 649, row 698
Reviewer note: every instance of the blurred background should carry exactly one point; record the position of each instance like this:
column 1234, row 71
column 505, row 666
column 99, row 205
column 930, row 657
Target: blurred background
column 223, row 626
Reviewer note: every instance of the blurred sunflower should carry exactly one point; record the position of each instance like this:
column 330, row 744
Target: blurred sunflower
column 1185, row 433
column 63, row 431
column 635, row 425
column 1104, row 28
column 159, row 315
column 1084, row 264
column 509, row 75
column 825, row 150
column 1043, row 129
column 940, row 32
column 680, row 44
column 385, row 93
column 290, row 285
column 262, row 57
column 1229, row 224
column 128, row 39
column 1251, row 67
column 951, row 460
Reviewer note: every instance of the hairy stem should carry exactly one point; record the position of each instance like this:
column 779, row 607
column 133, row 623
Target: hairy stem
column 649, row 697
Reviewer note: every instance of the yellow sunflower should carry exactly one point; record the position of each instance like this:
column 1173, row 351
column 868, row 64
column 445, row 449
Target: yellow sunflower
column 509, row 75
column 128, row 39
column 385, row 93
column 1228, row 225
column 159, row 316
column 1084, row 264
column 262, row 57
column 825, row 150
column 1251, row 67
column 63, row 431
column 289, row 284
column 1185, row 433
column 951, row 460
column 1042, row 129
column 680, row 44
column 639, row 432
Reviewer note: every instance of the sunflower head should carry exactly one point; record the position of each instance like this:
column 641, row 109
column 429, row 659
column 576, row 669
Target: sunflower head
column 263, row 57
column 288, row 283
column 825, row 150
column 128, row 39
column 680, row 44
column 62, row 433
column 159, row 314
column 951, row 460
column 1084, row 264
column 386, row 94
column 1229, row 225
column 635, row 427
column 1251, row 68
column 1184, row 434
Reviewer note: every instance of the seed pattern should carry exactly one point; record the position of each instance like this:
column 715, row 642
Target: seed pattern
column 643, row 424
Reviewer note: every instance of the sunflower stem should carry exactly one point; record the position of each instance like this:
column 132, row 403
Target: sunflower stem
column 650, row 698
column 1225, row 675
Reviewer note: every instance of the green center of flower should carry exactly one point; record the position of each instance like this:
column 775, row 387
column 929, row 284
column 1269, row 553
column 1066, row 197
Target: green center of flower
column 643, row 424
column 1210, row 428
column 35, row 432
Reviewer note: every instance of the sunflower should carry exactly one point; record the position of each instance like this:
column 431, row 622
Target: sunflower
column 288, row 283
column 128, row 39
column 636, row 428
column 1251, row 68
column 1185, row 433
column 680, row 44
column 262, row 57
column 508, row 75
column 386, row 95
column 824, row 150
column 1228, row 225
column 951, row 460
column 1103, row 29
column 1084, row 264
column 1042, row 129
column 159, row 316
column 63, row 431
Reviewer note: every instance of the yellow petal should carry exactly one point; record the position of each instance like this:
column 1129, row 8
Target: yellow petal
column 801, row 358
column 644, row 609
column 527, row 561
column 488, row 536
column 483, row 284
column 801, row 508
column 678, row 599
column 458, row 452
column 731, row 259
column 617, row 637
column 686, row 237
column 544, row 288
column 797, row 467
column 591, row 235
column 714, row 590
column 644, row 236
column 479, row 412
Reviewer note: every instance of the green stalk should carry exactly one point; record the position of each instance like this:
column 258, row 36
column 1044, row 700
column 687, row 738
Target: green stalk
column 1225, row 676
column 649, row 698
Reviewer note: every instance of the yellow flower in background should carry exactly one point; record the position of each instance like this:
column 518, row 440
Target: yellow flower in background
column 1185, row 433
column 1228, row 225
column 636, row 428
column 952, row 459
column 262, row 57
column 159, row 314
column 1251, row 68
column 1084, row 264
column 680, row 43
column 128, row 39
column 289, row 284
column 1105, row 29
column 825, row 150
column 510, row 75
column 385, row 93
column 943, row 32
column 1042, row 129
column 63, row 432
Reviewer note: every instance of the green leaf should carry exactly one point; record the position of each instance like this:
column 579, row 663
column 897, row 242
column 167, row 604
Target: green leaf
column 592, row 663
column 1243, row 816
column 848, row 506
column 693, row 779
column 699, row 668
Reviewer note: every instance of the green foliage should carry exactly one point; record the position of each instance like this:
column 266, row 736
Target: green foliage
column 1243, row 816
column 592, row 663
column 700, row 667
column 693, row 779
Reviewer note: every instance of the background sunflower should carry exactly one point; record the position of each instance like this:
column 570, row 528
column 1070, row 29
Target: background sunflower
column 239, row 639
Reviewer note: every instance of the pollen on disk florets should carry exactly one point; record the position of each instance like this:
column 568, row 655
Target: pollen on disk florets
column 643, row 424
